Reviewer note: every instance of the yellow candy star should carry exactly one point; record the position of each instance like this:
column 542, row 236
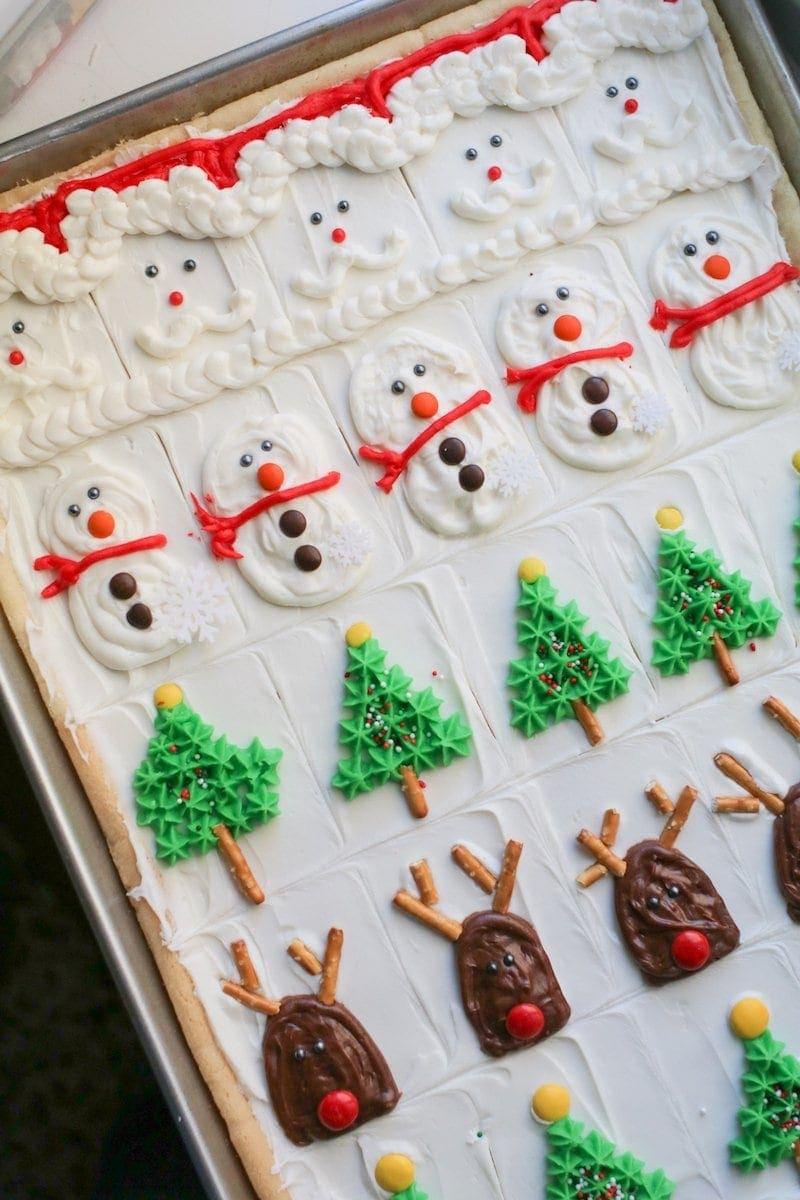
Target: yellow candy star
column 531, row 569
column 550, row 1102
column 358, row 634
column 669, row 518
column 749, row 1018
column 167, row 696
column 394, row 1172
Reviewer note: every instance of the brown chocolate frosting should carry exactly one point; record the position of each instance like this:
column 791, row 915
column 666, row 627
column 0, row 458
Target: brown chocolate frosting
column 787, row 851
column 651, row 870
column 348, row 1059
column 488, row 995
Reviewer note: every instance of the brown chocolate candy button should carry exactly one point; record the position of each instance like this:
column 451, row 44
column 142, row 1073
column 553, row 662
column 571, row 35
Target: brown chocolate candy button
column 307, row 558
column 595, row 389
column 122, row 585
column 471, row 477
column 292, row 523
column 603, row 422
column 452, row 451
column 139, row 616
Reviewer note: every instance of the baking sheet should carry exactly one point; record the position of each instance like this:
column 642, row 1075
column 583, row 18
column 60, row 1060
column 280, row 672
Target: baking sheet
column 67, row 143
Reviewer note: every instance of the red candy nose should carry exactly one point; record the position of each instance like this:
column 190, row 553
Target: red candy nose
column 424, row 405
column 631, row 105
column 270, row 476
column 338, row 1110
column 525, row 1021
column 717, row 266
column 690, row 949
column 567, row 327
column 338, row 234
column 101, row 524
column 494, row 173
column 176, row 299
column 16, row 358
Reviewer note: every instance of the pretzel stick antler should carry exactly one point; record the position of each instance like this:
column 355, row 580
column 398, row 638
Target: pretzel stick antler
column 659, row 798
column 248, row 991
column 421, row 908
column 783, row 715
column 678, row 817
column 304, row 957
column 472, row 866
column 423, row 878
column 734, row 770
column 507, row 877
column 608, row 836
column 605, row 856
column 330, row 966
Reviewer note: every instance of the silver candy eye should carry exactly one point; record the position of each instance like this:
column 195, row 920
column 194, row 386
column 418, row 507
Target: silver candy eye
column 471, row 154
column 93, row 493
column 542, row 310
column 151, row 270
column 319, row 1047
column 495, row 140
column 690, row 249
column 492, row 968
column 316, row 218
column 653, row 903
column 298, row 1054
column 266, row 444
column 419, row 368
column 631, row 83
column 612, row 91
column 712, row 237
column 398, row 387
column 18, row 327
column 562, row 293
column 673, row 891
column 508, row 960
column 343, row 206
column 246, row 460
column 190, row 264
column 74, row 510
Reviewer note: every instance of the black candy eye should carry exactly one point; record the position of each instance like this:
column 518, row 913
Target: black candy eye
column 151, row 270
column 266, row 445
column 18, row 327
column 495, row 140
column 653, row 903
column 319, row 1047
column 508, row 960
column 471, row 154
column 316, row 218
column 712, row 237
column 398, row 387
column 419, row 368
column 690, row 249
column 93, row 493
column 631, row 83
column 298, row 1054
column 246, row 460
column 612, row 91
column 343, row 206
column 562, row 293
column 492, row 968
column 673, row 891
column 74, row 510
column 190, row 264
column 542, row 310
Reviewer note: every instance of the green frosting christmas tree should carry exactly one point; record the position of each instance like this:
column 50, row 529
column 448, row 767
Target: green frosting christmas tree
column 769, row 1121
column 391, row 732
column 566, row 672
column 702, row 611
column 198, row 791
column 584, row 1166
column 396, row 1174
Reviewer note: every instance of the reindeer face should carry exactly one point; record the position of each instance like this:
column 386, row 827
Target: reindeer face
column 508, row 987
column 671, row 916
column 787, row 851
column 324, row 1072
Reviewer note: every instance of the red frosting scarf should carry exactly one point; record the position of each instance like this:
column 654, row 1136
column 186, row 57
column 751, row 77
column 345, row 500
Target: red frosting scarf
column 533, row 378
column 69, row 570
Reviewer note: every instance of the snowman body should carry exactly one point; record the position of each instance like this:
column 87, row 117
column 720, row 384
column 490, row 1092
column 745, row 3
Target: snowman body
column 112, row 603
column 602, row 414
column 302, row 553
column 472, row 473
column 748, row 358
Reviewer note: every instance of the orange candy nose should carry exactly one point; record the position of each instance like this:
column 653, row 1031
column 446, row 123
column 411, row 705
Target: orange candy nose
column 101, row 524
column 717, row 266
column 567, row 327
column 424, row 405
column 270, row 476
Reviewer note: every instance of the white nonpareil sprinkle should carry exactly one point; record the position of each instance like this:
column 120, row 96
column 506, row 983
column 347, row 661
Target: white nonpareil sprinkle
column 650, row 413
column 192, row 605
column 789, row 350
column 349, row 545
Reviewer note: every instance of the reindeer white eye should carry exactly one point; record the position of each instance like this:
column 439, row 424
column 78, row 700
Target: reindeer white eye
column 190, row 265
column 343, row 206
column 93, row 493
column 492, row 968
column 419, row 368
column 266, row 444
column 298, row 1054
column 319, row 1047
column 246, row 460
column 690, row 249
column 316, row 218
column 673, row 891
column 612, row 91
column 542, row 310
column 562, row 293
column 74, row 510
column 653, row 903
column 398, row 387
column 631, row 83
column 471, row 154
column 508, row 960
column 712, row 237
column 495, row 140
column 18, row 327
column 151, row 270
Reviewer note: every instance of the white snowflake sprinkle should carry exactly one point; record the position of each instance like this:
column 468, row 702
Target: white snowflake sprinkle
column 513, row 471
column 349, row 545
column 192, row 605
column 789, row 351
column 650, row 413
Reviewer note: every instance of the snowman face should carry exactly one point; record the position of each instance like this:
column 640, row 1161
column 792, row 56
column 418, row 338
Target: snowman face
column 706, row 256
column 93, row 507
column 555, row 314
column 405, row 382
column 258, row 457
